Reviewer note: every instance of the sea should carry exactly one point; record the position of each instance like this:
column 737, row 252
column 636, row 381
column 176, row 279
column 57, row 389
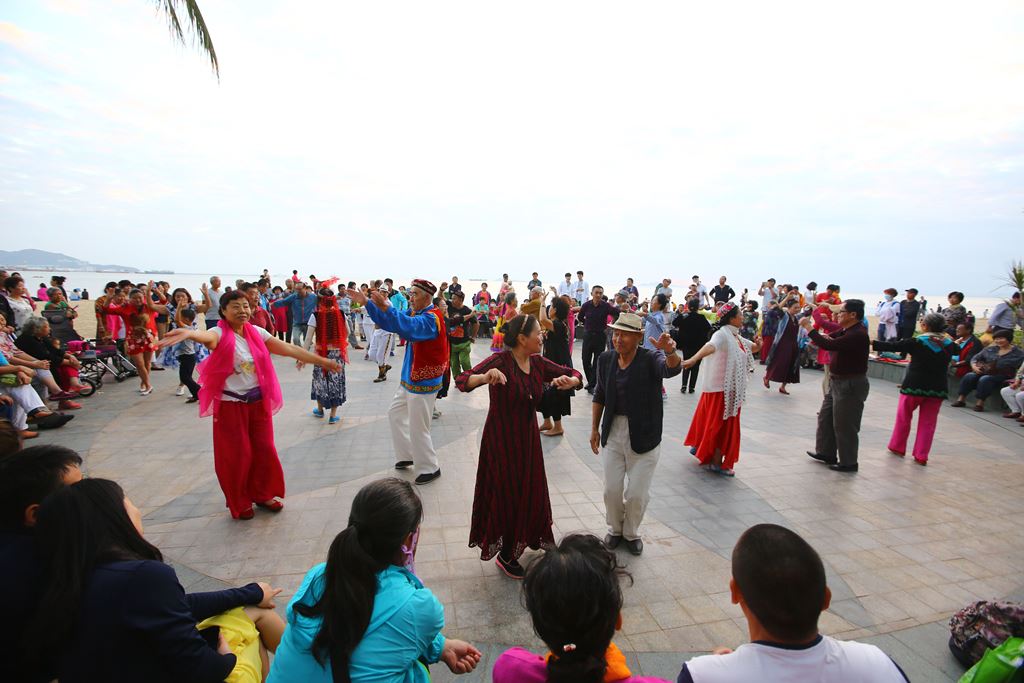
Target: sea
column 94, row 282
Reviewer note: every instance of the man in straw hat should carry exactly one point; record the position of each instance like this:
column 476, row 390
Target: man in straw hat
column 426, row 362
column 626, row 424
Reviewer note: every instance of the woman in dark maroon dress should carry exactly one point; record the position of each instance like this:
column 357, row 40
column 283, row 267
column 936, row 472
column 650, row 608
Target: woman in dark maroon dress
column 784, row 357
column 511, row 507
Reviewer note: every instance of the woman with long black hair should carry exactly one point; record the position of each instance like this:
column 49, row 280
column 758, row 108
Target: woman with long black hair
column 556, row 404
column 362, row 615
column 112, row 611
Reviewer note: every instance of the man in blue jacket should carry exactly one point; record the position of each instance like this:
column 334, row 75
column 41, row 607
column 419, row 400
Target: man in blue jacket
column 303, row 304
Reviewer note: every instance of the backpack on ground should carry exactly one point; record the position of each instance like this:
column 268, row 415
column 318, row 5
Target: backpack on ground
column 983, row 625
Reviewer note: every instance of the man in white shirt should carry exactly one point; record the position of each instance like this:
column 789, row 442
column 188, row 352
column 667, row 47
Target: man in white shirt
column 566, row 286
column 768, row 293
column 580, row 288
column 702, row 292
column 778, row 581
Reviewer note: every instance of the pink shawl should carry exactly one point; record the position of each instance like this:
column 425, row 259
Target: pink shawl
column 215, row 370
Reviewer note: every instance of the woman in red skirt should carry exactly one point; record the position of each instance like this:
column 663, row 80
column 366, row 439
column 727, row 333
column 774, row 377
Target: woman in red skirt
column 511, row 507
column 240, row 390
column 714, row 435
column 139, row 314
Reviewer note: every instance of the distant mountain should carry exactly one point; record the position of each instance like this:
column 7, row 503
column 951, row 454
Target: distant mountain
column 36, row 259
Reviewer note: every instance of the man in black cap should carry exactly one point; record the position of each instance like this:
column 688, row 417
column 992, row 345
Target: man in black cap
column 910, row 312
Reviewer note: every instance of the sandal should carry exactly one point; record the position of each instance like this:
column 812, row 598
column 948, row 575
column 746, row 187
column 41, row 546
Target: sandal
column 782, row 390
column 979, row 408
column 767, row 382
column 958, row 404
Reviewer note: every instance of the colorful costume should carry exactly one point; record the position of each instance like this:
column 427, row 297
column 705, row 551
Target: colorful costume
column 328, row 388
column 241, row 391
column 426, row 362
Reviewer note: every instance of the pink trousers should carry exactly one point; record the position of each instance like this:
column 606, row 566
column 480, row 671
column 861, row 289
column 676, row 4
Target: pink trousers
column 928, row 415
column 244, row 455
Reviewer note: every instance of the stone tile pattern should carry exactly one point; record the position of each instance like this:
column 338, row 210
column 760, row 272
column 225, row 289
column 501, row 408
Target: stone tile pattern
column 904, row 545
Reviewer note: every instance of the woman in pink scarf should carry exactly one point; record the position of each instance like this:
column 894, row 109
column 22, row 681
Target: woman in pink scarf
column 240, row 390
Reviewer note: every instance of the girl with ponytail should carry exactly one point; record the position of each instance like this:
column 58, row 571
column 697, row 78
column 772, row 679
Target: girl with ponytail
column 573, row 595
column 362, row 616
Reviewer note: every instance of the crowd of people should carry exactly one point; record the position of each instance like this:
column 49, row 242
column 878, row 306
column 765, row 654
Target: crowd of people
column 364, row 615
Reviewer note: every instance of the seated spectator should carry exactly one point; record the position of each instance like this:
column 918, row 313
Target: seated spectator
column 17, row 301
column 778, row 581
column 1013, row 396
column 35, row 340
column 113, row 611
column 362, row 615
column 572, row 592
column 10, row 439
column 42, row 294
column 990, row 370
column 16, row 383
column 970, row 346
column 17, row 357
column 26, row 478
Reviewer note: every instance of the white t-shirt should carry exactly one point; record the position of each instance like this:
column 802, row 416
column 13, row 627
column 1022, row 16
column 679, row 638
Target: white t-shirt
column 244, row 379
column 580, row 290
column 826, row 661
column 770, row 294
column 214, row 312
column 702, row 292
column 22, row 310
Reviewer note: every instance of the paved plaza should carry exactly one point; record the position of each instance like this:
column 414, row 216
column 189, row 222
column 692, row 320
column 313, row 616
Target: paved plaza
column 904, row 545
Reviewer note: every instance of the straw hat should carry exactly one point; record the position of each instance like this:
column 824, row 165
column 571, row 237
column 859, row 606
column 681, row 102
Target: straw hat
column 628, row 322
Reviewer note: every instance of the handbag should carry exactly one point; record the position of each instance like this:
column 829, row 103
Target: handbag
column 1003, row 664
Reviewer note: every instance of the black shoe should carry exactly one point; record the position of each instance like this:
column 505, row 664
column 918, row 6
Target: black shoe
column 635, row 546
column 693, row 450
column 612, row 541
column 403, row 464
column 427, row 478
column 192, row 399
column 53, row 421
column 843, row 468
column 692, row 390
column 512, row 568
column 821, row 458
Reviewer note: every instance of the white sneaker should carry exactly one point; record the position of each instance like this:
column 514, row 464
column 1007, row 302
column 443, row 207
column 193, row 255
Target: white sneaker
column 146, row 392
column 180, row 391
column 437, row 413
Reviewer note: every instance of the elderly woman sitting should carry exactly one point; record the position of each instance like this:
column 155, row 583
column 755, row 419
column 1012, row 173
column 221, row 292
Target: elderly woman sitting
column 37, row 369
column 35, row 340
column 990, row 370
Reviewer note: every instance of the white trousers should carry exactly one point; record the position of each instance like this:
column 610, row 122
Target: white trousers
column 368, row 327
column 1014, row 398
column 25, row 401
column 627, row 481
column 380, row 342
column 410, row 416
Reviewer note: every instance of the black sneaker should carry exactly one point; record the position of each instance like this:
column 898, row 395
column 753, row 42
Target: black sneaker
column 192, row 399
column 635, row 546
column 612, row 541
column 403, row 464
column 427, row 478
column 512, row 568
column 843, row 468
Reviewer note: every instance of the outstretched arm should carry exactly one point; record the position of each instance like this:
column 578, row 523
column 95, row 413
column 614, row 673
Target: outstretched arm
column 205, row 337
column 280, row 348
column 704, row 352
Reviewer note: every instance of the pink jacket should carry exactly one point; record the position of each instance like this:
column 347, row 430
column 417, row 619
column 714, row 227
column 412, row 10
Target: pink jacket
column 520, row 666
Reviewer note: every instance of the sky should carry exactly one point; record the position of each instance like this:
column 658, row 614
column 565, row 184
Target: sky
column 871, row 144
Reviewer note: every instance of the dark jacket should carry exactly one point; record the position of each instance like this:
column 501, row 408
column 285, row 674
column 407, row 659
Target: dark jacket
column 692, row 331
column 929, row 363
column 643, row 391
column 137, row 624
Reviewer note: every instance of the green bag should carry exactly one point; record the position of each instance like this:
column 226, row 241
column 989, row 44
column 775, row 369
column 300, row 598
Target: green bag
column 9, row 380
column 1003, row 664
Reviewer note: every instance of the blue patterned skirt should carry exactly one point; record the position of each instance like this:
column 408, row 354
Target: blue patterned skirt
column 329, row 387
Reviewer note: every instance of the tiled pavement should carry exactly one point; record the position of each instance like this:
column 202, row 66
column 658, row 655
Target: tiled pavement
column 904, row 545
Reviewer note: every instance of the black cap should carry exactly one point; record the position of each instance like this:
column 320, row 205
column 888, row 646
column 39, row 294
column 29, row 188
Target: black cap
column 912, row 290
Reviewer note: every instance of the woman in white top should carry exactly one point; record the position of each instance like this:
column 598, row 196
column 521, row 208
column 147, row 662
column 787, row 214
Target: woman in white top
column 240, row 388
column 17, row 297
column 714, row 435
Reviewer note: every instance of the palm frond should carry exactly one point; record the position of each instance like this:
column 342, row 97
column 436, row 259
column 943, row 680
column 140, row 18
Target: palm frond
column 196, row 23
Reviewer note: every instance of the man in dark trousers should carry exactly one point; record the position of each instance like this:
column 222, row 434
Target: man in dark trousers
column 626, row 424
column 594, row 314
column 910, row 311
column 839, row 418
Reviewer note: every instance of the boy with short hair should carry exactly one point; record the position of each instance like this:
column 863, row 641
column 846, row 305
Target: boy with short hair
column 778, row 581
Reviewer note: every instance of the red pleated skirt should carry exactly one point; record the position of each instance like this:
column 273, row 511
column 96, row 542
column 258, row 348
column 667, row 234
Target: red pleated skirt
column 709, row 432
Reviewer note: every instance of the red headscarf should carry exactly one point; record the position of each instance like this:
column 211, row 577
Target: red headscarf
column 330, row 327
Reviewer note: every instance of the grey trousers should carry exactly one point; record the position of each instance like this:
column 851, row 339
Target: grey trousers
column 839, row 419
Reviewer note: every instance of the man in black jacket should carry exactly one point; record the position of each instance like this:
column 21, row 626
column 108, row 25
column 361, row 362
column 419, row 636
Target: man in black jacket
column 626, row 424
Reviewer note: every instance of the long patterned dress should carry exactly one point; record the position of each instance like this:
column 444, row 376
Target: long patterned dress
column 511, row 504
